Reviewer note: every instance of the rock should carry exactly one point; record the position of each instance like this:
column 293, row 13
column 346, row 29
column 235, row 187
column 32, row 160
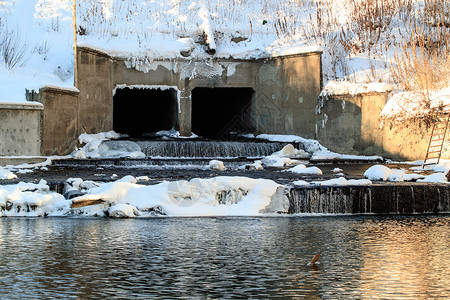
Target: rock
column 83, row 203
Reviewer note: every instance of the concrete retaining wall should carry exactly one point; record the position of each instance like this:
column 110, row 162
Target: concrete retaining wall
column 95, row 100
column 285, row 96
column 59, row 120
column 350, row 124
column 20, row 128
column 286, row 88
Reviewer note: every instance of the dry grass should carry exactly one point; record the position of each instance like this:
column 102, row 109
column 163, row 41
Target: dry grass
column 424, row 61
column 13, row 49
column 372, row 27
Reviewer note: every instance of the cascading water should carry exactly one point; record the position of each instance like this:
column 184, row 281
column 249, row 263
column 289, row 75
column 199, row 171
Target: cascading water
column 376, row 199
column 208, row 149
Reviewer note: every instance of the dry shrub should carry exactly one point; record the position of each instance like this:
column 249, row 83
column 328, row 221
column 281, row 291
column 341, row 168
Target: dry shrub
column 422, row 67
column 13, row 50
column 371, row 22
column 437, row 12
column 424, row 62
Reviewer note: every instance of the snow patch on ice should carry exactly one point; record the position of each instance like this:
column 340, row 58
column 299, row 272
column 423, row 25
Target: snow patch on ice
column 380, row 172
column 341, row 181
column 302, row 169
column 98, row 147
column 313, row 148
column 435, row 178
column 216, row 165
column 6, row 174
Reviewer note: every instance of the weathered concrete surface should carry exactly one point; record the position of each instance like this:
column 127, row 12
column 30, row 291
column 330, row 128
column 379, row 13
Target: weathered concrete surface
column 286, row 88
column 350, row 124
column 59, row 120
column 20, row 128
column 95, row 100
column 19, row 160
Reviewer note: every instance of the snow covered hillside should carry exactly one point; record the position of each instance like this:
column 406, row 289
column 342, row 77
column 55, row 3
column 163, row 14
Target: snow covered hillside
column 360, row 38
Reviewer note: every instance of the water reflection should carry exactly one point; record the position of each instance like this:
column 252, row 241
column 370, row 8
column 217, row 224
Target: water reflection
column 361, row 257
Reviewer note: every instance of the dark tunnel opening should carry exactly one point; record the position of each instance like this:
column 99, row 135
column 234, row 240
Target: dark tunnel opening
column 143, row 111
column 219, row 113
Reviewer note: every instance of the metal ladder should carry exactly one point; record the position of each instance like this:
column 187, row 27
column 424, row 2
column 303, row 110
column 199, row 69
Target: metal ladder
column 437, row 136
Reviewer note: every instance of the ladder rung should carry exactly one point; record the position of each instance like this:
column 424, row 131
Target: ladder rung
column 438, row 134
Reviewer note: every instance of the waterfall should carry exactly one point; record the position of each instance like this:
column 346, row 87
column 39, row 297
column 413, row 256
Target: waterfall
column 374, row 199
column 208, row 149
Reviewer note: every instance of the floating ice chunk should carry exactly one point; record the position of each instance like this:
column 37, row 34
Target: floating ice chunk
column 142, row 178
column 121, row 210
column 75, row 182
column 98, row 146
column 359, row 182
column 290, row 151
column 5, row 174
column 302, row 169
column 128, row 178
column 89, row 184
column 297, row 168
column 277, row 161
column 28, row 186
column 412, row 177
column 341, row 181
column 257, row 165
column 120, row 149
column 216, row 165
column 436, row 178
column 397, row 175
column 378, row 172
column 310, row 146
column 101, row 136
column 300, row 183
column 25, row 171
column 337, row 170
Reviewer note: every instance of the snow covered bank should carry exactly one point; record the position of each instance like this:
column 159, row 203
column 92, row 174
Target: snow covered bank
column 31, row 200
column 219, row 196
column 383, row 173
column 407, row 105
column 311, row 148
column 334, row 87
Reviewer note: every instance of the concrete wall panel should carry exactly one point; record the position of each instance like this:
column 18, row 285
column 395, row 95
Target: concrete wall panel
column 20, row 129
column 350, row 124
column 95, row 100
column 59, row 121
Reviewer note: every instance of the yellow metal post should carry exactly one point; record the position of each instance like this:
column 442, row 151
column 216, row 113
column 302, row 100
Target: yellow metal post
column 74, row 10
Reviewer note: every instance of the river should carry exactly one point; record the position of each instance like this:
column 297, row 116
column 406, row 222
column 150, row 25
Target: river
column 362, row 257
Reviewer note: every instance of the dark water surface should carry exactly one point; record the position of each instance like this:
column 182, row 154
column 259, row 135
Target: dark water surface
column 362, row 258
